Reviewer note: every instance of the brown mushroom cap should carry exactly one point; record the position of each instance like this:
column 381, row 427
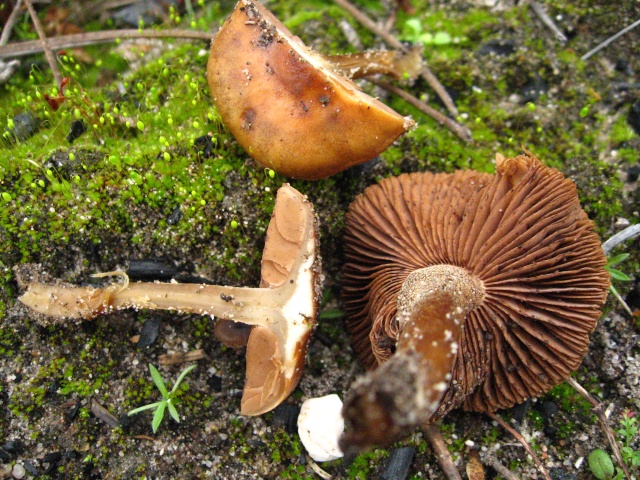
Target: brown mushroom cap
column 522, row 233
column 287, row 106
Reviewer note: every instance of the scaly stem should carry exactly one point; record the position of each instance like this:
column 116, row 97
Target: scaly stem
column 407, row 390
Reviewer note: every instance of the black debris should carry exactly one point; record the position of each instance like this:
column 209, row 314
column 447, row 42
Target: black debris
column 285, row 416
column 204, row 146
column 497, row 47
column 149, row 332
column 633, row 117
column 215, row 383
column 151, row 270
column 398, row 464
column 78, row 127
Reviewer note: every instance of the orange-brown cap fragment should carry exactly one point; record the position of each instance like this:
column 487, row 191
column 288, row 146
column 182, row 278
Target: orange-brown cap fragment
column 522, row 234
column 287, row 106
column 276, row 352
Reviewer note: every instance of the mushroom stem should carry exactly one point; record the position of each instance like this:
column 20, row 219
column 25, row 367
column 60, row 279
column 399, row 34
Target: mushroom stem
column 407, row 390
column 252, row 306
column 282, row 312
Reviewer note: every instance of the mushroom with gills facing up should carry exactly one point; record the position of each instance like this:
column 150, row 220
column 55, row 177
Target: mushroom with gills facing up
column 290, row 108
column 465, row 290
column 282, row 313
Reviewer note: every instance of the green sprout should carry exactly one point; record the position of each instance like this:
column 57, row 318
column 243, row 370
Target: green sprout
column 167, row 398
column 614, row 272
column 412, row 32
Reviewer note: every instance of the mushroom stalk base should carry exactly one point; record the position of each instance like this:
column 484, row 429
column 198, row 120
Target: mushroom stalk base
column 407, row 390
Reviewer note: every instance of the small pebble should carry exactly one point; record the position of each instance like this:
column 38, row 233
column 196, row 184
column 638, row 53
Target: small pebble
column 175, row 216
column 18, row 471
column 14, row 447
column 320, row 425
column 31, row 468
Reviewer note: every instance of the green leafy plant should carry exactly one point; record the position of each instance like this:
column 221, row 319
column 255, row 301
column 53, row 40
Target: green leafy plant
column 600, row 462
column 167, row 398
column 614, row 272
column 601, row 466
column 628, row 432
column 412, row 31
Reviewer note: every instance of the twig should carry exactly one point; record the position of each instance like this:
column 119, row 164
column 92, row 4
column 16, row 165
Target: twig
column 11, row 21
column 520, row 439
column 172, row 359
column 622, row 236
column 442, row 452
column 613, row 290
column 459, row 130
column 610, row 40
column 398, row 45
column 503, row 471
column 598, row 409
column 546, row 19
column 316, row 468
column 45, row 46
column 18, row 49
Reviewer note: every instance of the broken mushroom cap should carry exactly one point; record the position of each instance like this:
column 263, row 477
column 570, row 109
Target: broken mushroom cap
column 468, row 289
column 287, row 106
column 282, row 313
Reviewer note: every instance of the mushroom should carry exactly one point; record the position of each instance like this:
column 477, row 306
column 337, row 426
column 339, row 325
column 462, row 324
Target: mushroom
column 282, row 312
column 289, row 107
column 465, row 290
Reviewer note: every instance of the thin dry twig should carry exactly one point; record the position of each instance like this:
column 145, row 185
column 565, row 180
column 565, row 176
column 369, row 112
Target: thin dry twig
column 539, row 10
column 18, row 49
column 45, row 45
column 522, row 441
column 503, row 471
column 316, row 468
column 620, row 237
column 462, row 132
column 441, row 452
column 622, row 302
column 598, row 409
column 11, row 21
column 175, row 358
column 609, row 40
column 398, row 45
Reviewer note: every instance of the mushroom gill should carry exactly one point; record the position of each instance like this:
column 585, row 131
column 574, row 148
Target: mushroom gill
column 478, row 290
